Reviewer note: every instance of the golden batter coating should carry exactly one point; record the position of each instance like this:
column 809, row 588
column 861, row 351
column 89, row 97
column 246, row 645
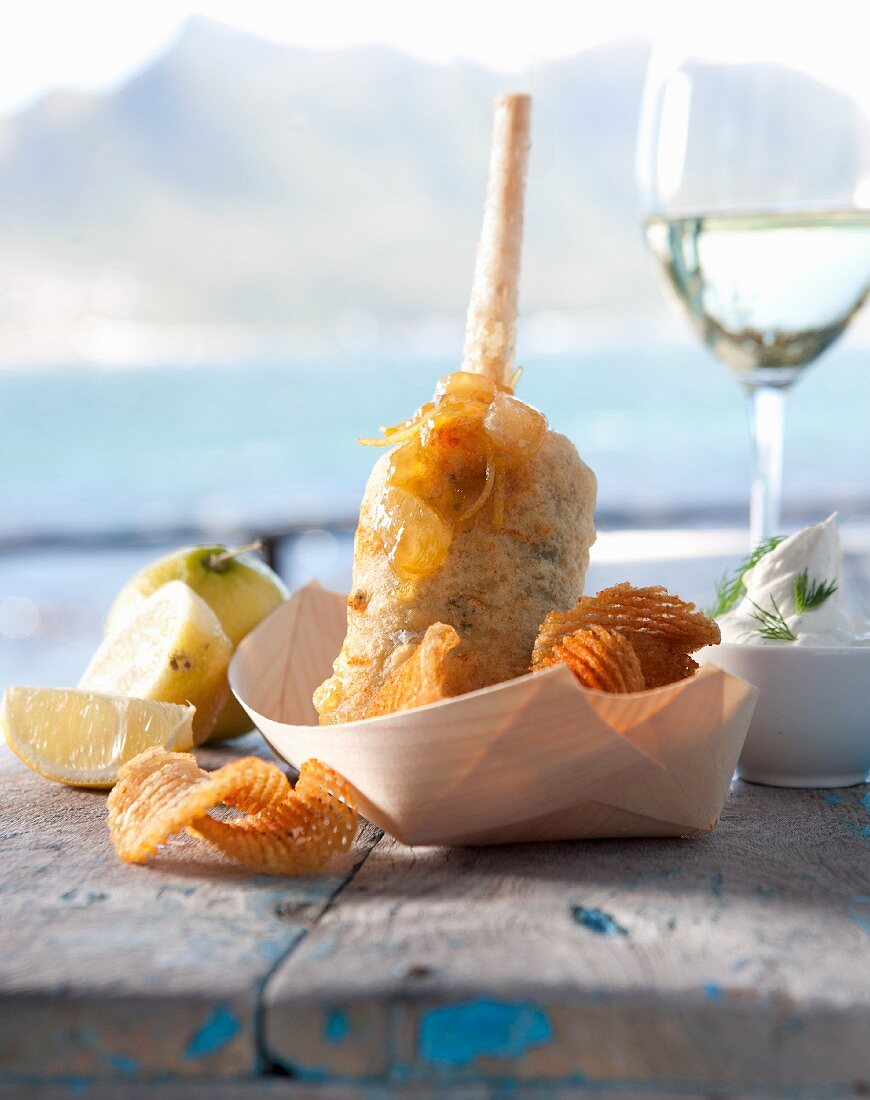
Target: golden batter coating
column 495, row 586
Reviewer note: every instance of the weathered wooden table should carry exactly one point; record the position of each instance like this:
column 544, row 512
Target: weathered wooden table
column 732, row 964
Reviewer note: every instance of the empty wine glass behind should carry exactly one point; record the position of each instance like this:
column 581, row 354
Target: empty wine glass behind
column 755, row 186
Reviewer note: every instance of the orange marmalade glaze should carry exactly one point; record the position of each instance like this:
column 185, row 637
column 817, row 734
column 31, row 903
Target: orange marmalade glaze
column 452, row 459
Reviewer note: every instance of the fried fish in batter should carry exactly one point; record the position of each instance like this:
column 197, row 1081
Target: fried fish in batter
column 494, row 586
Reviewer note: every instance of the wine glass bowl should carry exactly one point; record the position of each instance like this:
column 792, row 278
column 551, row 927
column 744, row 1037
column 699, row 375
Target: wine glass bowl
column 767, row 293
column 755, row 191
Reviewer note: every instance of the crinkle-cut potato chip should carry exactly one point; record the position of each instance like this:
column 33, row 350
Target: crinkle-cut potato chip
column 603, row 660
column 651, row 611
column 420, row 679
column 661, row 662
column 662, row 628
column 293, row 837
column 286, row 831
column 159, row 792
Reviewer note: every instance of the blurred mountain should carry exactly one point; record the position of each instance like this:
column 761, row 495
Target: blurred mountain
column 236, row 184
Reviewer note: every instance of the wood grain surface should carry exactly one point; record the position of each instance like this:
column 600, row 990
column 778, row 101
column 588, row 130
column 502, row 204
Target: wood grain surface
column 731, row 964
column 116, row 971
column 738, row 960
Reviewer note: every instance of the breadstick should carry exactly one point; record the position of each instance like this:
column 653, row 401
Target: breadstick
column 491, row 323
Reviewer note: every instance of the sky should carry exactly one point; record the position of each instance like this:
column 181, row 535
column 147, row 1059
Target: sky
column 96, row 44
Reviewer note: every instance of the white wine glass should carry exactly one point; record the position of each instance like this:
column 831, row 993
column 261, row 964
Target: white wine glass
column 754, row 179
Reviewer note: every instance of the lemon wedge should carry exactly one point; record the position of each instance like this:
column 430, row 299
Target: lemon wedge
column 81, row 738
column 172, row 650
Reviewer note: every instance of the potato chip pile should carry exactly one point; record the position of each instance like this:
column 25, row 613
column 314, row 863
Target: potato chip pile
column 281, row 830
column 624, row 639
column 661, row 629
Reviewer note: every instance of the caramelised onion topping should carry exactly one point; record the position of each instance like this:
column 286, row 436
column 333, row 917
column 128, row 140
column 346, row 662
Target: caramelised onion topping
column 454, row 457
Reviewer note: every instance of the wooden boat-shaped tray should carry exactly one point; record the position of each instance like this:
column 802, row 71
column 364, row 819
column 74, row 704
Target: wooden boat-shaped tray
column 536, row 758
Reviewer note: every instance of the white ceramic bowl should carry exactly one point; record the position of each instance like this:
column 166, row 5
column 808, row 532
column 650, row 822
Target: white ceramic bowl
column 811, row 727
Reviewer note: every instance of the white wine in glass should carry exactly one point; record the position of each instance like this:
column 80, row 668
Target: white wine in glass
column 765, row 248
column 768, row 293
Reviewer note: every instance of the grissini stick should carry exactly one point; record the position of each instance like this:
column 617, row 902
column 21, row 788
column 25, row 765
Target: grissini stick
column 491, row 323
column 479, row 518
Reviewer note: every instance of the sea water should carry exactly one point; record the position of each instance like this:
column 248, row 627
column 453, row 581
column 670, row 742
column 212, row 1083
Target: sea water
column 84, row 449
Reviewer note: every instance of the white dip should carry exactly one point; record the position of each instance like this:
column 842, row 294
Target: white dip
column 770, row 612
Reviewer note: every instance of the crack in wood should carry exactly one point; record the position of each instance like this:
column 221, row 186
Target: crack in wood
column 367, row 840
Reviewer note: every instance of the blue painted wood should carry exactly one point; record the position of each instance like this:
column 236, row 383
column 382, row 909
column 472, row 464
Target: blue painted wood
column 738, row 962
column 125, row 972
column 727, row 965
column 734, row 963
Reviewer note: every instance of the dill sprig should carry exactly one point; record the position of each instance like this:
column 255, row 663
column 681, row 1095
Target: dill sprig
column 811, row 594
column 730, row 589
column 772, row 625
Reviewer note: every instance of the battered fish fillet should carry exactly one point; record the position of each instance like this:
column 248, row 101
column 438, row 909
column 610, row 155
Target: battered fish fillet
column 495, row 586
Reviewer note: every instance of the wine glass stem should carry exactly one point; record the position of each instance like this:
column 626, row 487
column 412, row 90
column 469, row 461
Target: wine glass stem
column 766, row 419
